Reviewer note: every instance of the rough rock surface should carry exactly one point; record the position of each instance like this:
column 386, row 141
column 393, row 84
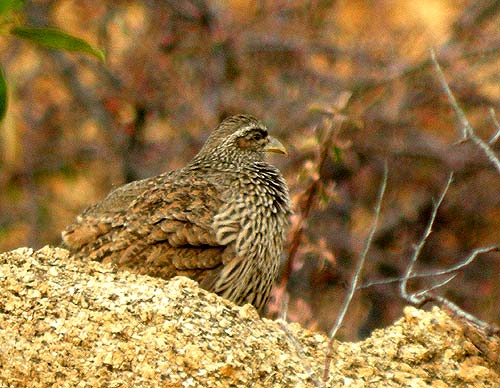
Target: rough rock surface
column 68, row 323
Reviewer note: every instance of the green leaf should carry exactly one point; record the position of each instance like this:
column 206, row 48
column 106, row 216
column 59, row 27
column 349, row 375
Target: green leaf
column 57, row 39
column 3, row 94
column 10, row 5
column 337, row 152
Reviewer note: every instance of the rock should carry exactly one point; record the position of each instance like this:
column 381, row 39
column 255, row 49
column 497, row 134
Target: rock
column 71, row 323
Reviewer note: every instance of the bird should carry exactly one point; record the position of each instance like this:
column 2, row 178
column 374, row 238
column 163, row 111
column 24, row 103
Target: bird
column 220, row 220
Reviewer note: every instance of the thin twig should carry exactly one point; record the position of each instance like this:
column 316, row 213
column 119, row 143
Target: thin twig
column 418, row 248
column 424, row 296
column 300, row 353
column 476, row 252
column 357, row 274
column 435, row 286
column 451, row 97
column 458, row 312
column 469, row 259
column 284, row 306
column 365, row 85
column 467, row 129
column 496, row 136
column 479, row 336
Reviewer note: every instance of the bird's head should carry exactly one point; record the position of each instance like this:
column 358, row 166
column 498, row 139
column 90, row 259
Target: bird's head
column 240, row 137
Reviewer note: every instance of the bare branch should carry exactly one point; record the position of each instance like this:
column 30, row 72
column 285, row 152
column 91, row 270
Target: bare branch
column 486, row 148
column 469, row 259
column 451, row 97
column 467, row 129
column 458, row 312
column 284, row 305
column 478, row 330
column 496, row 136
column 300, row 353
column 476, row 252
column 422, row 297
column 357, row 274
column 418, row 248
column 421, row 293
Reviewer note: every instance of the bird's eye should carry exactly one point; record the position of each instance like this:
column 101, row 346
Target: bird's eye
column 259, row 134
column 252, row 138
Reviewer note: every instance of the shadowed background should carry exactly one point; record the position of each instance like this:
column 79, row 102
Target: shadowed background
column 75, row 128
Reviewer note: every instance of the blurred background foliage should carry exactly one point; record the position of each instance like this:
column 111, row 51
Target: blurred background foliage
column 77, row 127
column 11, row 23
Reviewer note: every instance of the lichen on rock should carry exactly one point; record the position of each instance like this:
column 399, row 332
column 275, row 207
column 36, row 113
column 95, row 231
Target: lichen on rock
column 74, row 323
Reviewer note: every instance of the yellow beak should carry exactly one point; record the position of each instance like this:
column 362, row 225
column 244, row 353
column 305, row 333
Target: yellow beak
column 274, row 145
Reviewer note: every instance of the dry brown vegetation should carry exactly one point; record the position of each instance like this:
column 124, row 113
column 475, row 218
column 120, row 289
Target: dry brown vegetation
column 76, row 127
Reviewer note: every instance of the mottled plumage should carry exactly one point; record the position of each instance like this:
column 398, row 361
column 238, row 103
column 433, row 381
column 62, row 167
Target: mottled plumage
column 221, row 220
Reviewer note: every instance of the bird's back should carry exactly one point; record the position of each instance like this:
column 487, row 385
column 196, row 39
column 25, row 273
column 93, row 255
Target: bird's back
column 159, row 226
